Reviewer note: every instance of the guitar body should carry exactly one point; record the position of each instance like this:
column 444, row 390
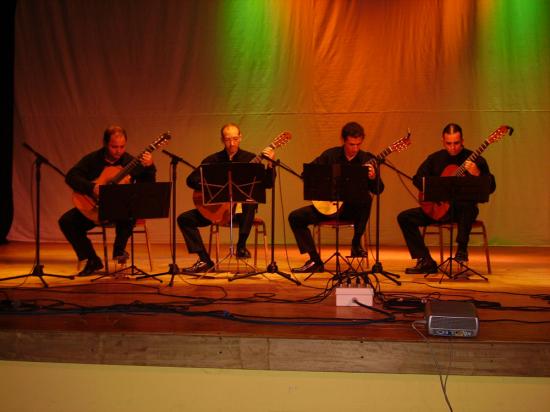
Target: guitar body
column 436, row 210
column 332, row 207
column 87, row 205
column 327, row 207
column 219, row 214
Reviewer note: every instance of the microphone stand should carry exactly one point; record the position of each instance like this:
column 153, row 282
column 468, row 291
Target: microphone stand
column 272, row 267
column 38, row 269
column 173, row 268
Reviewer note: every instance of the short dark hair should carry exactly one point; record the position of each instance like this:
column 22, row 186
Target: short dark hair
column 352, row 129
column 111, row 130
column 452, row 128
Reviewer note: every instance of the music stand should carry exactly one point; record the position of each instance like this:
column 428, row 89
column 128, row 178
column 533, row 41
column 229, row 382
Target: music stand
column 132, row 202
column 338, row 183
column 272, row 267
column 377, row 268
column 456, row 189
column 232, row 183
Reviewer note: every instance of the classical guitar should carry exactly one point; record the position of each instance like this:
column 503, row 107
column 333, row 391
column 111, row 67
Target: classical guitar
column 436, row 210
column 87, row 205
column 331, row 208
column 220, row 213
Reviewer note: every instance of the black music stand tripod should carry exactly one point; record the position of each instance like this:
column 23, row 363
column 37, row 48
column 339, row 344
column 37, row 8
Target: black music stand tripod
column 173, row 268
column 132, row 202
column 226, row 184
column 453, row 189
column 338, row 184
column 377, row 268
column 272, row 267
column 38, row 269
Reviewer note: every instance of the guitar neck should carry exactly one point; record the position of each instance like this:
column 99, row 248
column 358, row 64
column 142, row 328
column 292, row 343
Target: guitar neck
column 126, row 170
column 461, row 171
column 381, row 156
column 258, row 157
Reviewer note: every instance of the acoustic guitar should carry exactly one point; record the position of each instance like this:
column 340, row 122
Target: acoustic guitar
column 111, row 175
column 220, row 213
column 436, row 210
column 332, row 207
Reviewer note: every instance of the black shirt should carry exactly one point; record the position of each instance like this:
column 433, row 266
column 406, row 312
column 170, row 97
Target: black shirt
column 242, row 156
column 336, row 155
column 81, row 176
column 438, row 161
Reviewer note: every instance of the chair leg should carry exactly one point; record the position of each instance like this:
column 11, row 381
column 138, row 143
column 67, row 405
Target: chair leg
column 264, row 233
column 317, row 230
column 255, row 244
column 366, row 245
column 105, row 251
column 486, row 247
column 214, row 231
column 440, row 229
column 148, row 244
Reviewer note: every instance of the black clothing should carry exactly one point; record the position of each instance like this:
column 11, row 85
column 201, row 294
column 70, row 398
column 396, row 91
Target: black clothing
column 81, row 176
column 74, row 224
column 191, row 220
column 358, row 212
column 464, row 213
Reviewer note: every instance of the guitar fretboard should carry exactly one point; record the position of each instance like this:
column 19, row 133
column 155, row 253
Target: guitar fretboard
column 461, row 171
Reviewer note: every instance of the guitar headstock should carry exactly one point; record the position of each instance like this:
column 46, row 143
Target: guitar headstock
column 160, row 141
column 500, row 133
column 281, row 140
column 401, row 144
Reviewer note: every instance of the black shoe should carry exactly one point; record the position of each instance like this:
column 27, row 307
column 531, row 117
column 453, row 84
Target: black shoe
column 122, row 258
column 461, row 256
column 199, row 266
column 358, row 252
column 423, row 265
column 310, row 266
column 92, row 265
column 242, row 253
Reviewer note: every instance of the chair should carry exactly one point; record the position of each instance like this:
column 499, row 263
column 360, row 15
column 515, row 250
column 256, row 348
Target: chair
column 336, row 224
column 140, row 227
column 478, row 228
column 259, row 228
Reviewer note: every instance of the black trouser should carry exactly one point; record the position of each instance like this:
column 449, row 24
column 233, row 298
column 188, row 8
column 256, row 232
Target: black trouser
column 410, row 221
column 190, row 221
column 74, row 226
column 301, row 218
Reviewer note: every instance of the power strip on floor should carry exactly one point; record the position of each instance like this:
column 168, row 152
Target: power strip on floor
column 346, row 296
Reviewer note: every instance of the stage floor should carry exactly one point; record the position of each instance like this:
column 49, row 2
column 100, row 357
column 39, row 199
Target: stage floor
column 268, row 322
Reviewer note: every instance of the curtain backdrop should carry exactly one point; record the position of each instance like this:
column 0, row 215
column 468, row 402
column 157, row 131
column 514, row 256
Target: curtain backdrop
column 305, row 66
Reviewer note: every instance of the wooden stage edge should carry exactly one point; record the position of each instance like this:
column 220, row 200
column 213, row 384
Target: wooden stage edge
column 511, row 342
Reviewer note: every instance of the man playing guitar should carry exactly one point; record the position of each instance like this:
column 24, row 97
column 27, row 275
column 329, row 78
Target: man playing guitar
column 85, row 178
column 349, row 153
column 443, row 163
column 190, row 221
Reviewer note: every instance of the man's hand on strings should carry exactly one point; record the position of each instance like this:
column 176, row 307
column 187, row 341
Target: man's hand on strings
column 146, row 159
column 372, row 172
column 471, row 168
column 269, row 152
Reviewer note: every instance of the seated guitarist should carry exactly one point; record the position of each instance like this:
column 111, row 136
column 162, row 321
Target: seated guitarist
column 349, row 153
column 464, row 214
column 190, row 221
column 82, row 177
